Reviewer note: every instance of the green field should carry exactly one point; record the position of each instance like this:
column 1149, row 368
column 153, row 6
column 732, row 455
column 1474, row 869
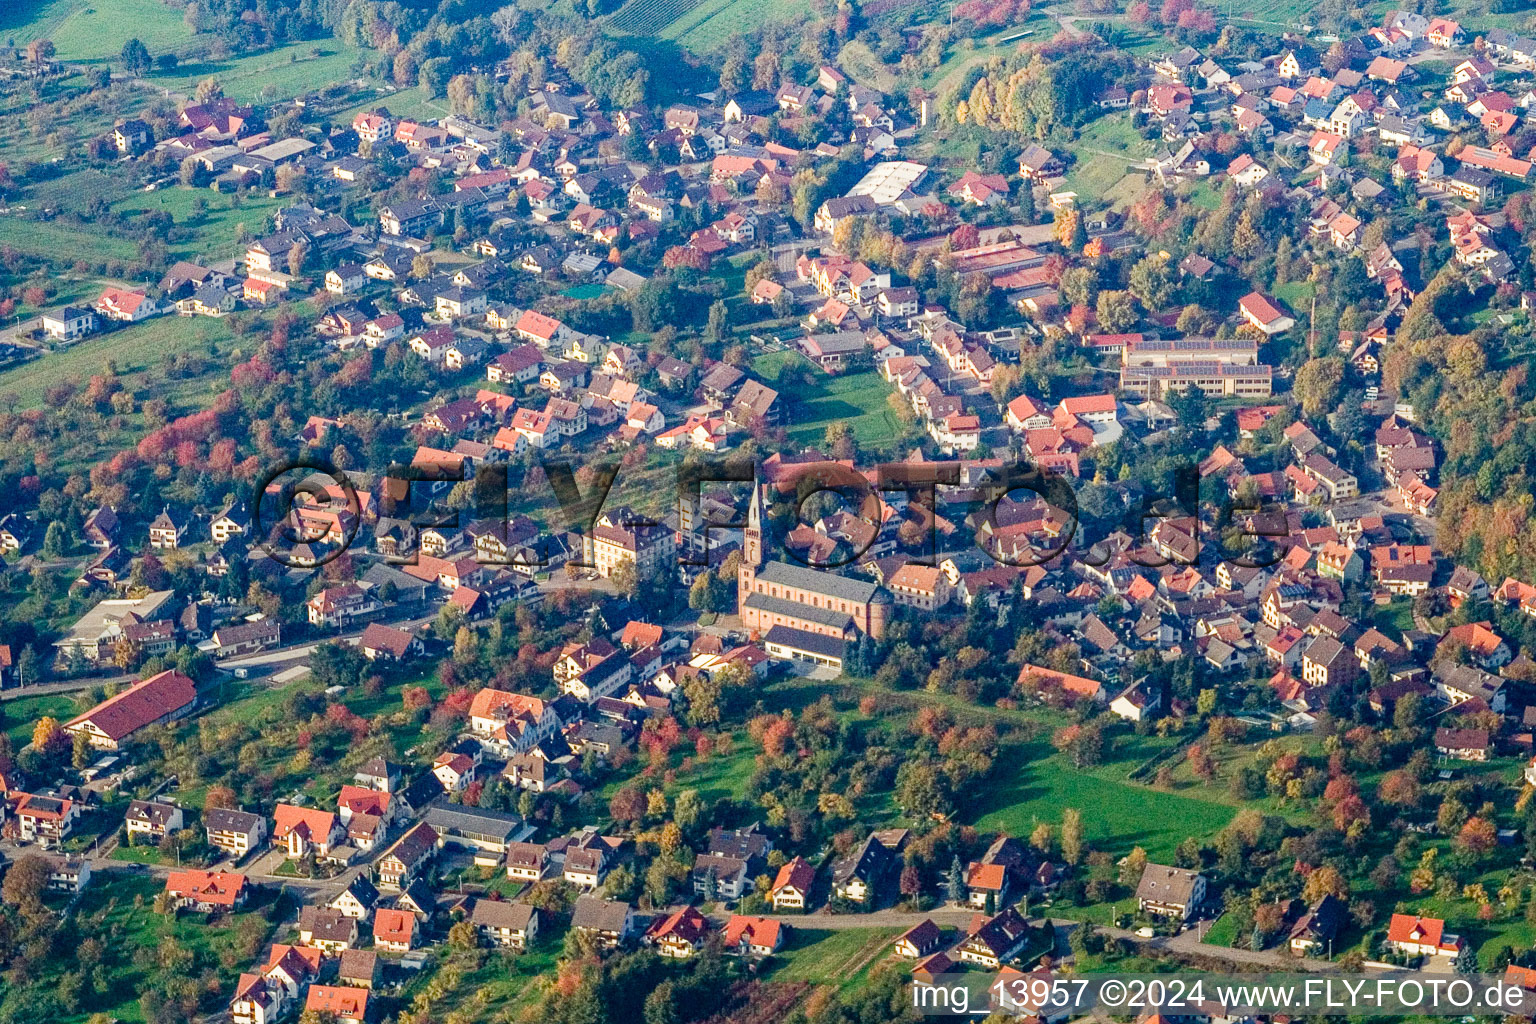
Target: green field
column 649, row 17
column 831, row 957
column 22, row 714
column 859, row 399
column 281, row 73
column 95, row 30
column 214, row 232
column 136, row 349
column 714, row 23
column 1118, row 814
column 54, row 241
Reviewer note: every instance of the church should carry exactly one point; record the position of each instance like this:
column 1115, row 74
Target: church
column 798, row 597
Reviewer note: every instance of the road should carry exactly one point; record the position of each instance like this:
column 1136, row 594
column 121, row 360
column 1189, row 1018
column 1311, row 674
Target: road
column 1187, row 943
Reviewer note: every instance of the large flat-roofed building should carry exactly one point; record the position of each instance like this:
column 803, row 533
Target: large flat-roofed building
column 811, row 600
column 1167, row 351
column 1216, row 380
column 886, row 182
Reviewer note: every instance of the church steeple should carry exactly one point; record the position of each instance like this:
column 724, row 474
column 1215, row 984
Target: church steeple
column 752, row 536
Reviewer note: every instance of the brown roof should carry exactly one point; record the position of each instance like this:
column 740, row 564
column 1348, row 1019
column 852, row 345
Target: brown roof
column 145, row 702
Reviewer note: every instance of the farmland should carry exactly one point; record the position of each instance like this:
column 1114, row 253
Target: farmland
column 55, row 241
column 1117, row 813
column 214, row 231
column 95, row 30
column 136, row 350
column 699, row 25
column 292, row 70
column 832, row 957
column 649, row 17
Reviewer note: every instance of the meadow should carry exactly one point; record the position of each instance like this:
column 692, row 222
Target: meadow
column 858, row 399
column 1034, row 783
column 280, row 73
column 95, row 30
column 136, row 349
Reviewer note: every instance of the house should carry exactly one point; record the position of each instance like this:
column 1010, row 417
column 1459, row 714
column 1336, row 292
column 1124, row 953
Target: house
column 327, row 929
column 753, row 936
column 207, row 891
column 1259, row 311
column 305, row 830
column 149, row 821
column 920, row 940
column 394, row 930
column 233, row 831
column 1169, row 891
column 1315, row 930
column 68, row 874
column 161, row 698
column 680, row 934
column 69, row 323
column 609, row 922
column 409, row 855
column 357, row 899
column 166, row 530
column 1463, row 744
column 500, row 923
column 45, row 820
column 855, row 876
column 996, row 940
column 380, row 642
column 791, row 888
column 1421, row 936
column 342, row 1003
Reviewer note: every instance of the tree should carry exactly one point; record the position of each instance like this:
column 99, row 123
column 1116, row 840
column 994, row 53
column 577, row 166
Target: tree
column 39, row 50
column 135, row 57
column 1152, row 281
column 208, row 89
column 1318, row 384
column 954, row 884
column 26, row 882
column 54, row 540
column 1072, row 835
column 48, row 735
column 463, row 936
column 1116, row 311
column 628, row 805
column 1466, row 960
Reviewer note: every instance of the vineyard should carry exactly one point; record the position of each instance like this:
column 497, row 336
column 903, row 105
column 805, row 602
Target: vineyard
column 649, row 17
column 699, row 25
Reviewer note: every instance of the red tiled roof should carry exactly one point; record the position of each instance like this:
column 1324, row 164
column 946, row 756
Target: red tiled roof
column 138, row 706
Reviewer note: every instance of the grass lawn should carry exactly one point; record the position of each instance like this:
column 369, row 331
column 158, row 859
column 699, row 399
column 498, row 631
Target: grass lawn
column 95, row 30
column 859, row 399
column 53, row 241
column 212, row 233
column 1223, row 932
column 1396, row 615
column 1295, row 294
column 21, row 715
column 831, row 957
column 138, row 854
column 281, row 73
column 1117, row 814
column 136, row 349
column 1095, row 176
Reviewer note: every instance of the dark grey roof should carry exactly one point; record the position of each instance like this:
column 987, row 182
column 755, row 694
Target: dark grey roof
column 803, row 640
column 844, row 588
column 501, row 914
column 810, row 613
column 601, row 914
column 223, row 819
column 449, row 819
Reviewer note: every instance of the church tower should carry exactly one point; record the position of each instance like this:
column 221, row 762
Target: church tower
column 751, row 549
